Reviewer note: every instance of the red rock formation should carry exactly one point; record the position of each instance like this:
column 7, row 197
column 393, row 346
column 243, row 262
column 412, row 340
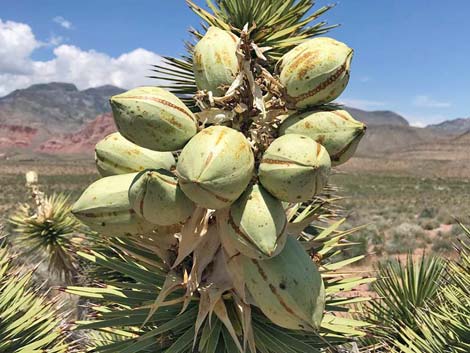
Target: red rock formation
column 82, row 141
column 14, row 136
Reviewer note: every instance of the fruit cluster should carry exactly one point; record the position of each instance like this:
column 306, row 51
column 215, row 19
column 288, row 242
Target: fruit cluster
column 238, row 171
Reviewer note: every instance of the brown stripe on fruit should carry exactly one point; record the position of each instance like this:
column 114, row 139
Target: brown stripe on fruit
column 275, row 292
column 238, row 253
column 337, row 113
column 103, row 214
column 219, row 138
column 173, row 183
column 323, row 85
column 161, row 101
column 318, row 149
column 282, row 231
column 237, row 230
column 115, row 165
column 276, row 161
column 218, row 197
column 260, row 269
column 336, row 157
column 144, row 192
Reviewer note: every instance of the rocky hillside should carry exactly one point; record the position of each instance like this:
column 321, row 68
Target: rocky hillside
column 378, row 117
column 456, row 126
column 81, row 141
column 57, row 120
column 55, row 107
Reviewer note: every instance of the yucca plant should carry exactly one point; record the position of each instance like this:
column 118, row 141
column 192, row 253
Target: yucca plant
column 402, row 289
column 443, row 323
column 48, row 232
column 29, row 322
column 212, row 204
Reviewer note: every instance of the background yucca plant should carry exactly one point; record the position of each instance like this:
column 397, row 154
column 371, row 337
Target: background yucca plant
column 442, row 324
column 423, row 306
column 29, row 322
column 48, row 232
column 402, row 288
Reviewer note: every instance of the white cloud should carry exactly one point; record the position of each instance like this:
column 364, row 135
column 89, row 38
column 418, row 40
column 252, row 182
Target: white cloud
column 361, row 103
column 364, row 79
column 54, row 41
column 424, row 101
column 63, row 22
column 84, row 68
column 17, row 42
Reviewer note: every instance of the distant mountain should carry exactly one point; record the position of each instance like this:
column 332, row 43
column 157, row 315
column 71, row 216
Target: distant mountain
column 57, row 120
column 56, row 106
column 82, row 141
column 456, row 126
column 378, row 117
column 386, row 139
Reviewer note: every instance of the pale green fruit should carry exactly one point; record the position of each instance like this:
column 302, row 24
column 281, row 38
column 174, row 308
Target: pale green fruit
column 214, row 60
column 315, row 72
column 256, row 224
column 153, row 118
column 287, row 288
column 334, row 129
column 294, row 168
column 156, row 196
column 215, row 167
column 104, row 207
column 116, row 155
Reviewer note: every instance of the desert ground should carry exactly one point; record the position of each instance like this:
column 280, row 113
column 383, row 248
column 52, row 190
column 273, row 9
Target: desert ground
column 402, row 210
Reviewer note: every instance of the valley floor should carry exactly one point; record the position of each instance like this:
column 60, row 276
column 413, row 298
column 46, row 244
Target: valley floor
column 403, row 212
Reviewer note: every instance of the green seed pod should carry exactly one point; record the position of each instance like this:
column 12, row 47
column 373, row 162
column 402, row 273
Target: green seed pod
column 335, row 129
column 156, row 196
column 287, row 288
column 215, row 167
column 294, row 168
column 104, row 207
column 215, row 61
column 116, row 155
column 315, row 72
column 153, row 118
column 256, row 224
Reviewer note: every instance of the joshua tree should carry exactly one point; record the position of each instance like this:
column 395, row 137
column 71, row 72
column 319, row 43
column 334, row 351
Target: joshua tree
column 212, row 191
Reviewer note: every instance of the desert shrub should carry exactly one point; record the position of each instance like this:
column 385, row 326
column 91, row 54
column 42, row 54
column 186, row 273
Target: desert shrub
column 428, row 212
column 443, row 242
column 404, row 238
column 429, row 223
column 445, row 217
column 442, row 245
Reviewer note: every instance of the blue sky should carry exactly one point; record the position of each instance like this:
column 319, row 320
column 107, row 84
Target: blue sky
column 410, row 56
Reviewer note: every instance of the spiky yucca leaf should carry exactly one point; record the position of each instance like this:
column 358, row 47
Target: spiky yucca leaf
column 443, row 324
column 280, row 25
column 49, row 232
column 29, row 322
column 402, row 289
column 169, row 331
